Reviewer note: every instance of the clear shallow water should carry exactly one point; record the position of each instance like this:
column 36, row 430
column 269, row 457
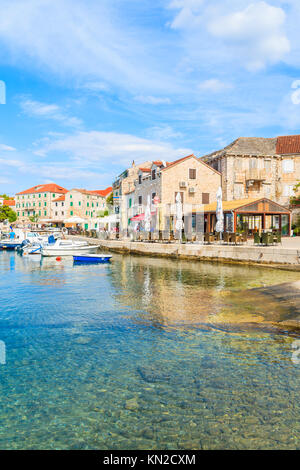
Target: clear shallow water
column 144, row 354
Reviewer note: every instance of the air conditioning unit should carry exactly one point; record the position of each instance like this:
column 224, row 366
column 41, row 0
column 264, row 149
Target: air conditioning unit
column 192, row 190
column 182, row 184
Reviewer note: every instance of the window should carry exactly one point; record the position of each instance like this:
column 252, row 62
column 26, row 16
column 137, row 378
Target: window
column 62, row 204
column 140, row 179
column 79, row 203
column 267, row 189
column 140, row 200
column 153, row 196
column 288, row 166
column 62, row 213
column 40, row 195
column 238, row 191
column 192, row 173
column 288, row 190
column 56, row 204
column 181, row 194
column 130, row 202
column 71, row 204
column 238, row 163
column 252, row 163
column 153, row 174
column 71, row 212
column 45, row 195
column 45, row 204
column 267, row 164
column 56, row 213
column 45, row 212
column 205, row 198
column 53, row 195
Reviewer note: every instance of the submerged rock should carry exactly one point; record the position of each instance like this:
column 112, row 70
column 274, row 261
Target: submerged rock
column 132, row 404
column 153, row 374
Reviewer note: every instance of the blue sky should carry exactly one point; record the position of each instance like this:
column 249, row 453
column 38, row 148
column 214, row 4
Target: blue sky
column 92, row 85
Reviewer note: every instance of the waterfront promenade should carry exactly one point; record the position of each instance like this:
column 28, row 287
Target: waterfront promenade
column 285, row 255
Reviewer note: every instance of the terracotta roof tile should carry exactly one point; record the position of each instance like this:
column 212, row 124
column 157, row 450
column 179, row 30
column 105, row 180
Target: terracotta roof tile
column 289, row 144
column 44, row 188
column 61, row 198
column 9, row 202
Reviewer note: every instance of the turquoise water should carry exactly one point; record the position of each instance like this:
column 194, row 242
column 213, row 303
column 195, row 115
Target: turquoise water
column 143, row 354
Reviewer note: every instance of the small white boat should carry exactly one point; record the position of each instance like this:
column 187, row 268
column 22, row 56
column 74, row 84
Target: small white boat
column 67, row 248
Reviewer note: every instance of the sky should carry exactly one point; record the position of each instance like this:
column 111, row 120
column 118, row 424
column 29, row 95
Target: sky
column 88, row 86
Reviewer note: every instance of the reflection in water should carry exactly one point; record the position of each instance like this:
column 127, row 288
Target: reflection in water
column 174, row 293
column 143, row 354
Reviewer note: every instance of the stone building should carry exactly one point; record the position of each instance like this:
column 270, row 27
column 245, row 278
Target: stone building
column 254, row 167
column 123, row 185
column 38, row 201
column 196, row 182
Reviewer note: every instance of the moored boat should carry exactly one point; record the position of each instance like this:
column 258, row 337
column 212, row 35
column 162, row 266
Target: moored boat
column 67, row 248
column 91, row 259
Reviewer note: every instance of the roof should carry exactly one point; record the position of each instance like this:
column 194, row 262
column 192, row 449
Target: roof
column 145, row 170
column 247, row 146
column 169, row 165
column 61, row 198
column 237, row 204
column 9, row 202
column 98, row 192
column 288, row 144
column 44, row 188
column 103, row 192
column 178, row 161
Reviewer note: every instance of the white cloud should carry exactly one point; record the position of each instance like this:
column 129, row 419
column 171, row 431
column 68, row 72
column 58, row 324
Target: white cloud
column 48, row 111
column 214, row 85
column 187, row 16
column 82, row 42
column 257, row 31
column 99, row 149
column 6, row 148
column 155, row 100
column 163, row 133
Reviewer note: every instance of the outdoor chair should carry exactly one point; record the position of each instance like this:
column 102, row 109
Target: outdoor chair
column 243, row 237
column 207, row 238
column 277, row 237
column 257, row 240
column 267, row 238
column 226, row 237
column 235, row 238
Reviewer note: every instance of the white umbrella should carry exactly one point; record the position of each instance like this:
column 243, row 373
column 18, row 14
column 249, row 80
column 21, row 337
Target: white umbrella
column 219, row 212
column 74, row 220
column 179, row 223
column 148, row 215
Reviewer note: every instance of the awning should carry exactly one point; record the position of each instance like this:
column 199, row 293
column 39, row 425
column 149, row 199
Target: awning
column 140, row 217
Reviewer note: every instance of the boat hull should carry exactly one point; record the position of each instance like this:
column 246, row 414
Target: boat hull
column 68, row 251
column 91, row 259
column 9, row 245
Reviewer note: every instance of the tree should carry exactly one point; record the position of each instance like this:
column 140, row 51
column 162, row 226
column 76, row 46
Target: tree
column 34, row 218
column 295, row 200
column 110, row 199
column 6, row 213
column 4, row 196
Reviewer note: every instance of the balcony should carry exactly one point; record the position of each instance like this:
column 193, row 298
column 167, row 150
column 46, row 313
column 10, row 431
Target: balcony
column 255, row 175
